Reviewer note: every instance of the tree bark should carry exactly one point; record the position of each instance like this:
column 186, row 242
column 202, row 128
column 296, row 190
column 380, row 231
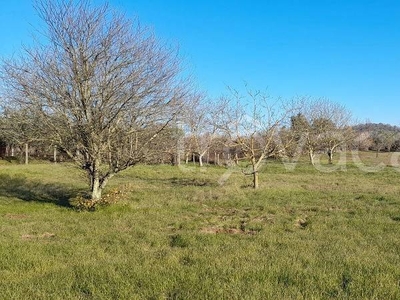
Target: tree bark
column 55, row 154
column 95, row 184
column 255, row 165
column 26, row 153
column 96, row 188
column 311, row 155
column 200, row 160
column 178, row 158
column 255, row 179
column 330, row 156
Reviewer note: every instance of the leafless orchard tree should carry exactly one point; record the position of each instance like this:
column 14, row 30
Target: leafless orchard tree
column 103, row 86
column 253, row 123
column 384, row 139
column 363, row 141
column 167, row 145
column 322, row 125
column 338, row 130
column 18, row 127
column 202, row 122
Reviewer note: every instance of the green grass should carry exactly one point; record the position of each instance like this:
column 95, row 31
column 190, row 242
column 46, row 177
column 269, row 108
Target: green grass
column 176, row 233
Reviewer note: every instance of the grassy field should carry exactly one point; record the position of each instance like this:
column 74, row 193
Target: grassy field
column 190, row 233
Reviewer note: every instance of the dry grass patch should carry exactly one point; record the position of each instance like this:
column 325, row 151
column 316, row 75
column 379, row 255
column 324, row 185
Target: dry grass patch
column 45, row 235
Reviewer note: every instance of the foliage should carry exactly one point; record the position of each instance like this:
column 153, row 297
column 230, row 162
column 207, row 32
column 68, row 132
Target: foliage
column 84, row 203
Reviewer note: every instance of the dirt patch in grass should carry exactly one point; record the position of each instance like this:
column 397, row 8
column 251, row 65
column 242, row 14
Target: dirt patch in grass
column 46, row 235
column 219, row 230
column 16, row 216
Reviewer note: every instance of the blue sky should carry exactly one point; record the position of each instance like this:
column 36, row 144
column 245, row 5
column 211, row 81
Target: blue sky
column 347, row 51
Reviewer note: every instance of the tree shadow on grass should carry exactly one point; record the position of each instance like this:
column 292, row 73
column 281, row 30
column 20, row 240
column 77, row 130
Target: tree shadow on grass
column 36, row 191
column 192, row 182
column 177, row 181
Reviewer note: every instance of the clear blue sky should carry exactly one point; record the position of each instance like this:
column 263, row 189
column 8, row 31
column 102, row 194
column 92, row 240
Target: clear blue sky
column 344, row 50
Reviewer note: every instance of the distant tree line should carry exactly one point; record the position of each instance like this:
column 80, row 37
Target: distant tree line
column 378, row 137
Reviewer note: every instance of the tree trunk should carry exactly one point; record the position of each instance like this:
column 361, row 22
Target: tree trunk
column 178, row 158
column 311, row 155
column 200, row 160
column 96, row 188
column 330, row 156
column 96, row 185
column 55, row 154
column 255, row 179
column 26, row 153
column 255, row 172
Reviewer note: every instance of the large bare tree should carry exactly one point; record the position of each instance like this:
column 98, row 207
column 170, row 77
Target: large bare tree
column 103, row 86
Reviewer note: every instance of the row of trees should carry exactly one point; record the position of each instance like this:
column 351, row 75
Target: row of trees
column 104, row 92
column 237, row 128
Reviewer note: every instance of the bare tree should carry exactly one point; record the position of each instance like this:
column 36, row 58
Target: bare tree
column 253, row 122
column 322, row 125
column 363, row 141
column 104, row 86
column 167, row 145
column 19, row 128
column 383, row 139
column 337, row 127
column 202, row 122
